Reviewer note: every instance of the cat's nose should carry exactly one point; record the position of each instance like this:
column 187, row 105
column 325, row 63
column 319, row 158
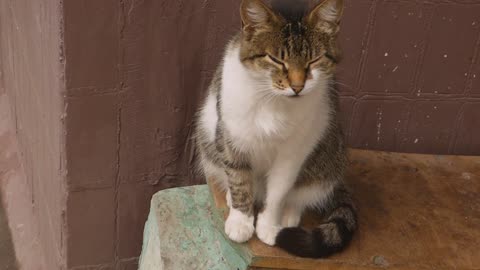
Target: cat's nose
column 297, row 87
column 297, row 77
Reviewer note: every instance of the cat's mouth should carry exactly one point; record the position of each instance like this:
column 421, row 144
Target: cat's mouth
column 288, row 93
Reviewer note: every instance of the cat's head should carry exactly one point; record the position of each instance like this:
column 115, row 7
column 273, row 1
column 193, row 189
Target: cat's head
column 290, row 49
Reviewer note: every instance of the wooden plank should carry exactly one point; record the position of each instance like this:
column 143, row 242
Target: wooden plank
column 416, row 212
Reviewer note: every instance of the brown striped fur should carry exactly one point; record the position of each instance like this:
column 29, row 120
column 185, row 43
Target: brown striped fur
column 290, row 45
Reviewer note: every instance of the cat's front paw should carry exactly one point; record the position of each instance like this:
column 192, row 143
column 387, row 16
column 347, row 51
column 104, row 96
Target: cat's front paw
column 267, row 230
column 239, row 227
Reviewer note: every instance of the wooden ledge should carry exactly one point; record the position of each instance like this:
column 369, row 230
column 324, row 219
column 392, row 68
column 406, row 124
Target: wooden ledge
column 415, row 212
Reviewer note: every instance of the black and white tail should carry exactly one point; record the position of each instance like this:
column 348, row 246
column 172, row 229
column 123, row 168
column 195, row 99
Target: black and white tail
column 327, row 238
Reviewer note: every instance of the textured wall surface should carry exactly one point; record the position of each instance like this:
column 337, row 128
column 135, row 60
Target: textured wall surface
column 135, row 71
column 31, row 71
column 408, row 83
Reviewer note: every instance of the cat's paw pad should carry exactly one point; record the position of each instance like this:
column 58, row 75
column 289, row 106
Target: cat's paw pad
column 291, row 218
column 239, row 227
column 267, row 230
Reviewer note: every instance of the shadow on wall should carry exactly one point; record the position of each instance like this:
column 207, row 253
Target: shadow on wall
column 7, row 254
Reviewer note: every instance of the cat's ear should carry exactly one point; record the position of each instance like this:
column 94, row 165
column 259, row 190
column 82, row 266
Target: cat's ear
column 256, row 15
column 327, row 11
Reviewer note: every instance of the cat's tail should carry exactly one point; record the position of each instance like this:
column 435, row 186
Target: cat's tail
column 327, row 238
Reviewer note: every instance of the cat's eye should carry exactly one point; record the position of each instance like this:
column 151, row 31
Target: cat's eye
column 326, row 55
column 314, row 61
column 276, row 60
column 331, row 57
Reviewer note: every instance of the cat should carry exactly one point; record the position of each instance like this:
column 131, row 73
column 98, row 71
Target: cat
column 268, row 131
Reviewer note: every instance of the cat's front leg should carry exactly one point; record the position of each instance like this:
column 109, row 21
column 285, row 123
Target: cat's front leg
column 280, row 181
column 239, row 224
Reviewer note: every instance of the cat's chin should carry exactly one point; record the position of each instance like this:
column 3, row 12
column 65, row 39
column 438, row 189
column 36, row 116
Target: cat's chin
column 287, row 94
column 291, row 97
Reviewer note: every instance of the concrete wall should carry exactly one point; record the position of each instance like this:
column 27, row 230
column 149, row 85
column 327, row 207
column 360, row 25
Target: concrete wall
column 32, row 72
column 128, row 120
column 99, row 140
column 410, row 80
column 136, row 71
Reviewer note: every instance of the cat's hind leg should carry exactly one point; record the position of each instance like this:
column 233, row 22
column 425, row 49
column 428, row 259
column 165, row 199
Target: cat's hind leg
column 313, row 195
column 292, row 214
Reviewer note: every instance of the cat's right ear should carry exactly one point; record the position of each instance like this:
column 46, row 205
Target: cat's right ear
column 256, row 16
column 327, row 11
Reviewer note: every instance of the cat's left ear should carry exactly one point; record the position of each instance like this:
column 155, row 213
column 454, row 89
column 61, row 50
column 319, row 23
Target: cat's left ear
column 330, row 11
column 256, row 16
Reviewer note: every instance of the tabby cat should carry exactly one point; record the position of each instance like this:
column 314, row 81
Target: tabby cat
column 268, row 131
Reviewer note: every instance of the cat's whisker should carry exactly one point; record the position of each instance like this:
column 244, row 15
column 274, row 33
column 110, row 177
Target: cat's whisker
column 271, row 98
column 344, row 84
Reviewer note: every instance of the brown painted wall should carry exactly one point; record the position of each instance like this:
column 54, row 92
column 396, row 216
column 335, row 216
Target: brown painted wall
column 128, row 119
column 135, row 71
column 31, row 66
column 140, row 67
column 411, row 76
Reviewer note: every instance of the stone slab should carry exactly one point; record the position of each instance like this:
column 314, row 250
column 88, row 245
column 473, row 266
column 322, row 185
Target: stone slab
column 185, row 231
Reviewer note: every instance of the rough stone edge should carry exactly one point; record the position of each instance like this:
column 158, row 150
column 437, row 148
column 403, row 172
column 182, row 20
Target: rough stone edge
column 222, row 254
column 151, row 244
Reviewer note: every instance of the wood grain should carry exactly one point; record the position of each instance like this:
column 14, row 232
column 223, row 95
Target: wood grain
column 416, row 212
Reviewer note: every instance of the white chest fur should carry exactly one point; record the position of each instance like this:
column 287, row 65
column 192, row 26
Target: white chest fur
column 261, row 124
column 257, row 120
